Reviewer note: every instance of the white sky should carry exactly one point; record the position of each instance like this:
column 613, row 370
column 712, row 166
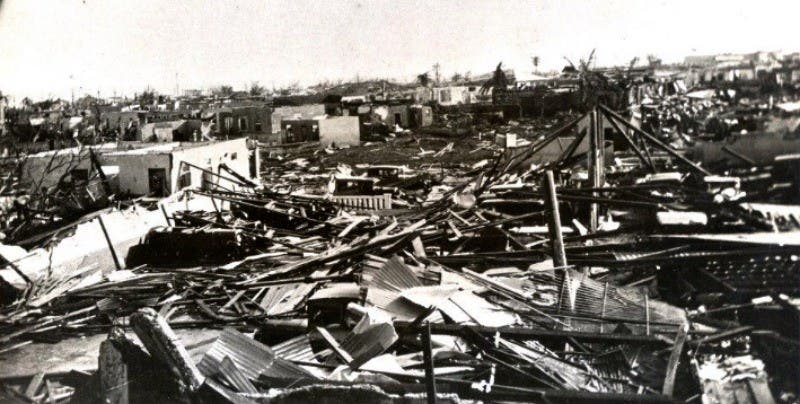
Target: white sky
column 52, row 47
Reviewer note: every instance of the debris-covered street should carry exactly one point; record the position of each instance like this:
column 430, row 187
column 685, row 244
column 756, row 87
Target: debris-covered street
column 614, row 234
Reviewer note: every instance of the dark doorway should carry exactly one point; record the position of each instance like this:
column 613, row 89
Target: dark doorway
column 79, row 175
column 157, row 181
column 208, row 180
column 398, row 120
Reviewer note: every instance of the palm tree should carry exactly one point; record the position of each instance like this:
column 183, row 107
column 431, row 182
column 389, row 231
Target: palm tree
column 423, row 79
column 456, row 77
column 222, row 91
column 256, row 89
column 147, row 97
column 498, row 80
column 590, row 82
column 595, row 87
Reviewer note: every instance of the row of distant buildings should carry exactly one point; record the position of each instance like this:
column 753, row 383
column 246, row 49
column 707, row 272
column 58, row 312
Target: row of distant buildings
column 206, row 118
column 782, row 68
column 285, row 120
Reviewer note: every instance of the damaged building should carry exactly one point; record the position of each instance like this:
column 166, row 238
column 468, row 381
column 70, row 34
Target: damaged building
column 140, row 168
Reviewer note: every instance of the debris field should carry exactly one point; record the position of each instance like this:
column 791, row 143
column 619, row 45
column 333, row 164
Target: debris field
column 596, row 262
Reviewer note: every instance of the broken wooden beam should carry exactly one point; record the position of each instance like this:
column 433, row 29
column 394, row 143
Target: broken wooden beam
column 674, row 360
column 427, row 354
column 110, row 244
column 534, row 333
column 159, row 339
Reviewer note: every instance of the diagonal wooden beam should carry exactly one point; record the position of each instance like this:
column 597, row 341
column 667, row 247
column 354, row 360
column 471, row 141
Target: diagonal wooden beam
column 630, row 142
column 652, row 139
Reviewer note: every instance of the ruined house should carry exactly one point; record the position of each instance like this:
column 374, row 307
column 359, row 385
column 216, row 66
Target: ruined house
column 140, row 168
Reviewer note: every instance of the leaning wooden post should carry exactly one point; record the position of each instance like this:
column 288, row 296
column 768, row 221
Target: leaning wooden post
column 164, row 211
column 554, row 220
column 110, row 246
column 674, row 360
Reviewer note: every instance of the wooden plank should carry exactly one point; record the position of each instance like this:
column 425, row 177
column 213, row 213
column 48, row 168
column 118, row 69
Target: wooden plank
column 674, row 360
column 159, row 339
column 34, row 385
column 334, row 345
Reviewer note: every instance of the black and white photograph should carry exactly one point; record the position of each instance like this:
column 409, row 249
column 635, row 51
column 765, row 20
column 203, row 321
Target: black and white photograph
column 399, row 201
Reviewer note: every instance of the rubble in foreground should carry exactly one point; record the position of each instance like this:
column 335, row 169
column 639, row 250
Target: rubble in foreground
column 606, row 274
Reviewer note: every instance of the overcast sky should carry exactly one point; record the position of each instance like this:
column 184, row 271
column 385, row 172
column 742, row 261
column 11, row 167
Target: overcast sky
column 52, row 47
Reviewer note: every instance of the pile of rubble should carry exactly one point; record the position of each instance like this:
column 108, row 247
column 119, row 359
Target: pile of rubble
column 633, row 276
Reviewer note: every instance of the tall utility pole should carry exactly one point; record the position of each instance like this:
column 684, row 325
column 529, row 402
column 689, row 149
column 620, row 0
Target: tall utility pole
column 72, row 89
column 436, row 72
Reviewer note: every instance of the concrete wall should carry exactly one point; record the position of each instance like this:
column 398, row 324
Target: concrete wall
column 341, row 130
column 161, row 131
column 134, row 176
column 297, row 131
column 253, row 121
column 301, row 112
column 455, row 95
column 233, row 153
column 45, row 169
column 134, row 165
column 119, row 119
column 404, row 113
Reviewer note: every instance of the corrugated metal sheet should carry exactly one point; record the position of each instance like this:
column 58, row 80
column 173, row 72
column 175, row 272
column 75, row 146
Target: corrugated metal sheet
column 235, row 377
column 249, row 355
column 393, row 275
column 254, row 359
column 370, row 342
column 297, row 348
column 285, row 298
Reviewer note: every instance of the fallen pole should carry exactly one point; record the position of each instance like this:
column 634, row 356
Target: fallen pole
column 110, row 246
column 554, row 221
column 538, row 334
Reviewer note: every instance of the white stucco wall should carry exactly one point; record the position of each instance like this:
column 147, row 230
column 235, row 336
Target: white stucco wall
column 134, row 170
column 233, row 153
column 342, row 130
column 134, row 165
column 44, row 170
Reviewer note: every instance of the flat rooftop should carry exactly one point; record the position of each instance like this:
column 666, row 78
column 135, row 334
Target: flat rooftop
column 128, row 148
